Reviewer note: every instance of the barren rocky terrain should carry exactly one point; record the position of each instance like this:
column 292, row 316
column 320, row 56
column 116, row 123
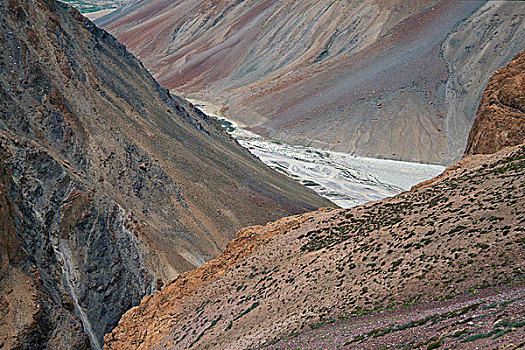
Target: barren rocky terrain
column 457, row 235
column 441, row 265
column 383, row 79
column 109, row 185
column 119, row 201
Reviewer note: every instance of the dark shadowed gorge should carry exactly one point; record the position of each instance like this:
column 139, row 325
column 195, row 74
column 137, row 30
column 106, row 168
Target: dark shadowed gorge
column 109, row 185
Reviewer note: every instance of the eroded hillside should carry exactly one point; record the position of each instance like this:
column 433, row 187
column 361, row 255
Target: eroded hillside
column 440, row 265
column 458, row 234
column 109, row 185
column 394, row 79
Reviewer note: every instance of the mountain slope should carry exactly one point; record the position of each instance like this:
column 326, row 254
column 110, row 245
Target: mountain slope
column 450, row 250
column 440, row 265
column 396, row 79
column 109, row 185
column 458, row 234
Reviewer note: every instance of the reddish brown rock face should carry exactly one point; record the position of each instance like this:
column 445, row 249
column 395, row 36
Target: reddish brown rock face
column 500, row 121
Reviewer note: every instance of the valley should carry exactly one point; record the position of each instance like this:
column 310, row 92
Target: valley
column 441, row 265
column 344, row 179
column 391, row 79
column 262, row 174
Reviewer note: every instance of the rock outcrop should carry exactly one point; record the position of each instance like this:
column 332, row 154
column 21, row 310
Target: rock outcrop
column 500, row 121
column 109, row 185
column 386, row 79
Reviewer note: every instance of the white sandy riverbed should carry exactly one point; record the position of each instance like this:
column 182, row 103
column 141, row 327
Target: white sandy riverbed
column 344, row 179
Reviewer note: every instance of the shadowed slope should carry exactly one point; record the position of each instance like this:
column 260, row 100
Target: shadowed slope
column 109, row 185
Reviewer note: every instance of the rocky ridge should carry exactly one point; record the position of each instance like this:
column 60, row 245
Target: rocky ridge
column 383, row 79
column 500, row 121
column 109, row 185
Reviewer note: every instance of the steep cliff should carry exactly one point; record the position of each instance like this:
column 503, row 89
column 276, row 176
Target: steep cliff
column 108, row 184
column 388, row 79
column 500, row 121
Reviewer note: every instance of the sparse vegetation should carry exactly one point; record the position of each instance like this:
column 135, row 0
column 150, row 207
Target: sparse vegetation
column 403, row 246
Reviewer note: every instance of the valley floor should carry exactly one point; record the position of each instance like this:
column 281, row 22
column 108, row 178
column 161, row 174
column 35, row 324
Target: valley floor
column 345, row 179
